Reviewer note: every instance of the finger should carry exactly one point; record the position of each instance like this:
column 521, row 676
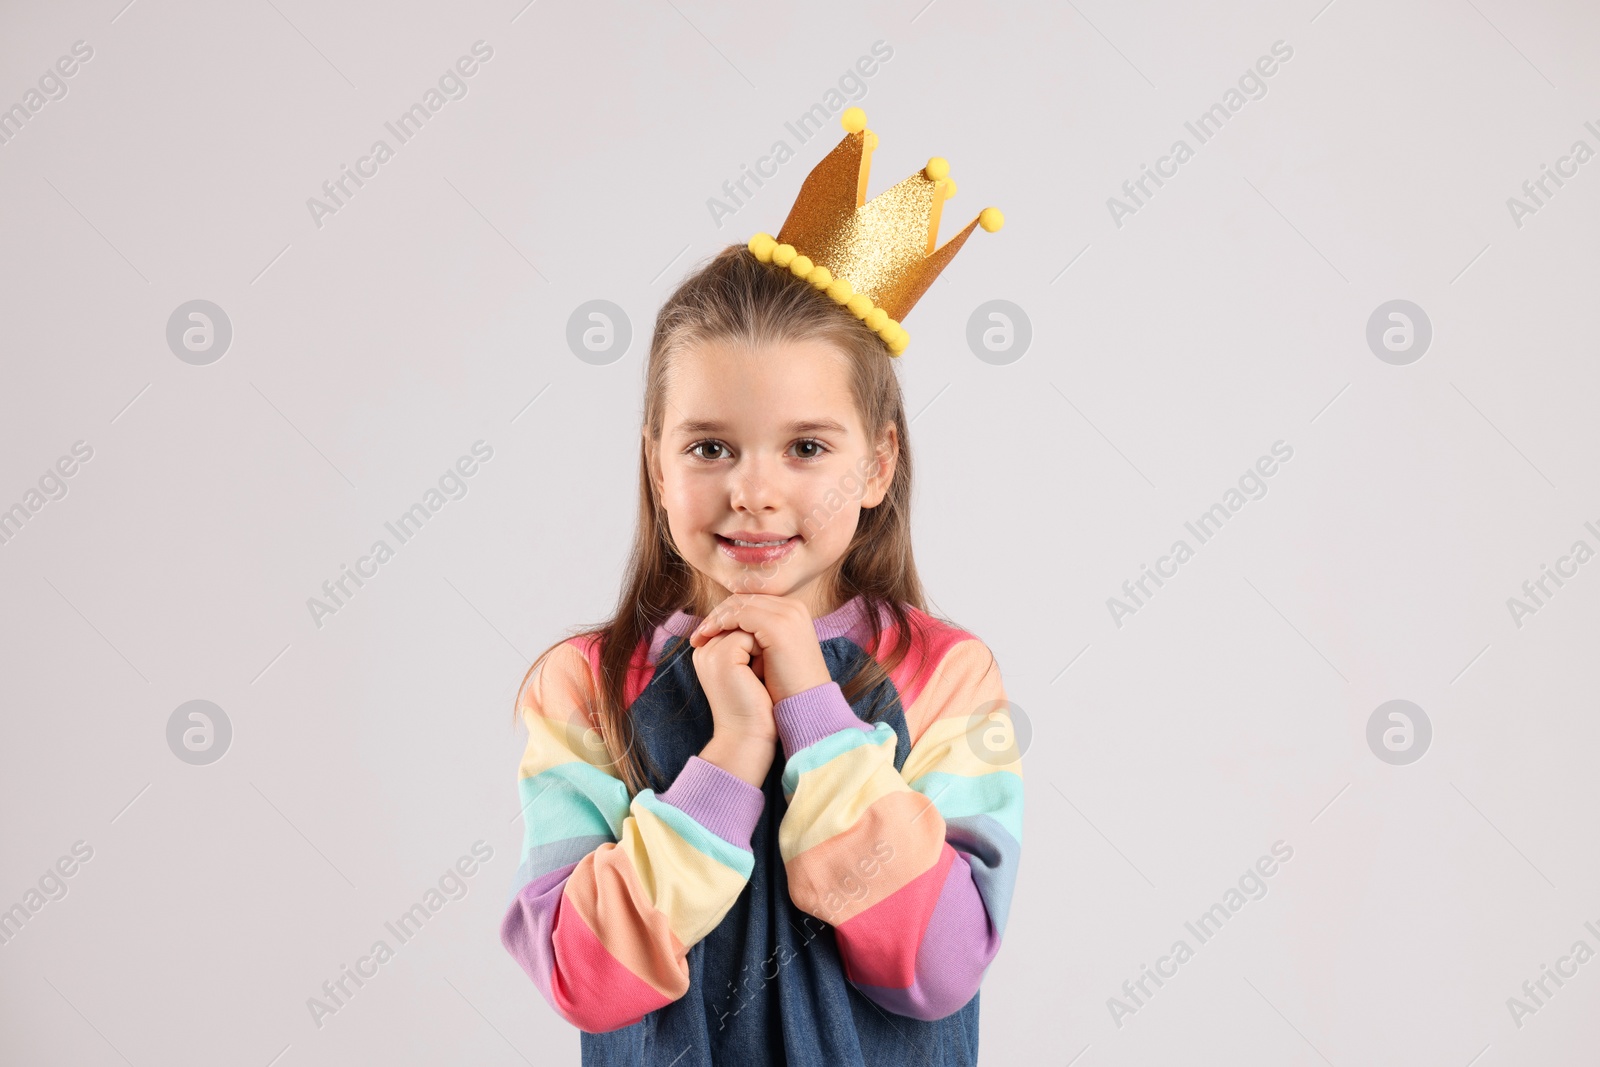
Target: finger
column 732, row 639
column 739, row 611
column 719, row 619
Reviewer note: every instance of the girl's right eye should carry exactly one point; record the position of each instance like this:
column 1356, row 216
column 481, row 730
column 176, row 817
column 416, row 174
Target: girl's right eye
column 693, row 449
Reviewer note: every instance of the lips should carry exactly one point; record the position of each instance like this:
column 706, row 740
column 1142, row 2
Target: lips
column 760, row 548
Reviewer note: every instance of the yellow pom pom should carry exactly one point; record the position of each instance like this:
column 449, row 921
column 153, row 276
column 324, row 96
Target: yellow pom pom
column 875, row 318
column 761, row 246
column 800, row 266
column 938, row 168
column 854, row 120
column 949, row 188
column 841, row 290
column 889, row 330
column 898, row 345
column 859, row 305
column 783, row 255
column 991, row 219
column 820, row 276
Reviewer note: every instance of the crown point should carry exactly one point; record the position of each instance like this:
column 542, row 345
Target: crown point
column 871, row 141
column 783, row 255
column 854, row 120
column 938, row 168
column 859, row 304
column 800, row 266
column 820, row 276
column 841, row 290
column 991, row 219
column 761, row 246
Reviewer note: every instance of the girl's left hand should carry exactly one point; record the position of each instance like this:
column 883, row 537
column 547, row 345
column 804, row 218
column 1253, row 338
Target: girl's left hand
column 789, row 659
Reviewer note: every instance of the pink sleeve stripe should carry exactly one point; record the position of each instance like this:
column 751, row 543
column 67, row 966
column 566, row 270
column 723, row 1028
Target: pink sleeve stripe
column 930, row 642
column 955, row 948
column 879, row 945
column 525, row 930
column 591, row 990
column 640, row 669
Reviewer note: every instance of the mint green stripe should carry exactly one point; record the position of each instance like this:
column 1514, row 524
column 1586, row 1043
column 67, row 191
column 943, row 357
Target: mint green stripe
column 821, row 751
column 574, row 799
column 997, row 794
column 683, row 824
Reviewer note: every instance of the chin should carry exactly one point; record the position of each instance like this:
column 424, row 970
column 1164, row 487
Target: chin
column 771, row 587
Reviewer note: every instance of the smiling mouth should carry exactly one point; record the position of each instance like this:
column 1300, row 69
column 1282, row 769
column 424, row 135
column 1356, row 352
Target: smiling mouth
column 756, row 552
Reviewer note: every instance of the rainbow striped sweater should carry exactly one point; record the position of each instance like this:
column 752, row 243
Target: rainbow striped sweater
column 872, row 874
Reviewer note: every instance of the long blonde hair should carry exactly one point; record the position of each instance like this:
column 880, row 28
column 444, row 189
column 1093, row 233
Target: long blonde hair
column 735, row 297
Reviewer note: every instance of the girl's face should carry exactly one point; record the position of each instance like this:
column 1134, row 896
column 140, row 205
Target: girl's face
column 764, row 444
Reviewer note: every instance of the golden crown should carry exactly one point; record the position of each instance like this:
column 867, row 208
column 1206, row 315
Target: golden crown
column 875, row 257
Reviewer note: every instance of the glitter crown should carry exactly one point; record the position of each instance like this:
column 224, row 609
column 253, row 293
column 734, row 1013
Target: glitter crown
column 875, row 257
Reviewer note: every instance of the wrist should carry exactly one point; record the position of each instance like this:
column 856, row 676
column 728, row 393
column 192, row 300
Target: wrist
column 746, row 757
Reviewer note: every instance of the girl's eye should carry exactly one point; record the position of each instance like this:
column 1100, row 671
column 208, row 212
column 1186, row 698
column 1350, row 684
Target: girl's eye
column 819, row 449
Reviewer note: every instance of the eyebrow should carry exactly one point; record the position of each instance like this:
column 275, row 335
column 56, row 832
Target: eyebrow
column 803, row 426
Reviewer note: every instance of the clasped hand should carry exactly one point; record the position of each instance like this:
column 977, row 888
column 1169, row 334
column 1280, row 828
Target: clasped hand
column 751, row 651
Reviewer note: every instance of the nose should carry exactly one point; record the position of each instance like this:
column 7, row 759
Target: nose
column 755, row 484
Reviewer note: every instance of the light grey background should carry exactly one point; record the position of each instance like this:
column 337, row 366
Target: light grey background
column 1168, row 353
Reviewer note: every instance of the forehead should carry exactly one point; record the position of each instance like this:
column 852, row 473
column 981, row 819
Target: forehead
column 723, row 386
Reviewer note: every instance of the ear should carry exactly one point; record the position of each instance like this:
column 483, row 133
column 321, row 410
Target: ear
column 888, row 451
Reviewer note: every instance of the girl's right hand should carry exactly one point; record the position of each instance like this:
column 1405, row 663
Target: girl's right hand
column 741, row 707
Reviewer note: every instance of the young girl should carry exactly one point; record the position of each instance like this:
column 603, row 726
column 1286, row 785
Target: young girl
column 689, row 895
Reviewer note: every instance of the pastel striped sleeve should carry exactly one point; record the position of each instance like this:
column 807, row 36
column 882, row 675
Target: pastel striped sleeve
column 611, row 893
column 913, row 869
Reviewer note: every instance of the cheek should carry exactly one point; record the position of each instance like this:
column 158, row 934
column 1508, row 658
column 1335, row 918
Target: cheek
column 834, row 519
column 689, row 500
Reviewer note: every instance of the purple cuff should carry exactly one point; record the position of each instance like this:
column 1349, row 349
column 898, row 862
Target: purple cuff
column 812, row 714
column 723, row 803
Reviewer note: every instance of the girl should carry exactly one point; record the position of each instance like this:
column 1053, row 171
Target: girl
column 687, row 895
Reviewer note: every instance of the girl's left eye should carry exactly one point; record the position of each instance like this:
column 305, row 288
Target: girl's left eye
column 820, row 447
